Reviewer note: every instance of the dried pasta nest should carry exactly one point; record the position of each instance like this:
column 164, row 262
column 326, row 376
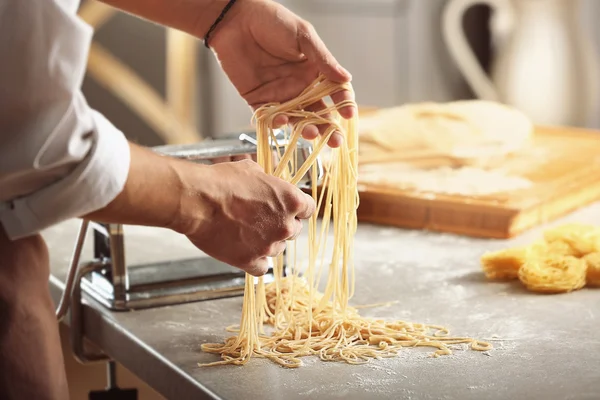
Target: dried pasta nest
column 566, row 259
column 504, row 264
column 578, row 239
column 554, row 274
column 556, row 248
column 593, row 269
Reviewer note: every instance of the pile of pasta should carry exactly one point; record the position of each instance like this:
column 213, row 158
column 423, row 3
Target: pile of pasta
column 290, row 318
column 567, row 258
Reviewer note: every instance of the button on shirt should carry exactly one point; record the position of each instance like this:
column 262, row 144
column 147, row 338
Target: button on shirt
column 59, row 158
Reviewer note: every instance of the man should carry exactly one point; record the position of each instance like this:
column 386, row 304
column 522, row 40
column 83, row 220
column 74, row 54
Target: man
column 60, row 159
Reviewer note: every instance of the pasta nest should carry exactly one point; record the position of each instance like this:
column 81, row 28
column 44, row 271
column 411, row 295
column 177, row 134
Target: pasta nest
column 593, row 269
column 553, row 274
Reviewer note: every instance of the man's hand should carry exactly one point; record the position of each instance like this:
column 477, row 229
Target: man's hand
column 247, row 215
column 269, row 53
column 272, row 55
column 232, row 211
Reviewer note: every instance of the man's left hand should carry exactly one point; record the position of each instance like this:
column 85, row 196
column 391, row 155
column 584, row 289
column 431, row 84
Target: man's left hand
column 272, row 55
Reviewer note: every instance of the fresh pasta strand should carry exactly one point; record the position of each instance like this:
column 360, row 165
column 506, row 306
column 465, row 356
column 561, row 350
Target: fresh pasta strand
column 303, row 321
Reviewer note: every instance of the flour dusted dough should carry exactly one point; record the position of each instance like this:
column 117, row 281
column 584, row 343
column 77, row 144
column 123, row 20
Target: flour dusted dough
column 465, row 129
column 464, row 181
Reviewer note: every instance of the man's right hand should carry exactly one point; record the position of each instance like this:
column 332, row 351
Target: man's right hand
column 237, row 214
column 232, row 211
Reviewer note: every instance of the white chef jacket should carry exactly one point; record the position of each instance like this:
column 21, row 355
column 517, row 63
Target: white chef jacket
column 59, row 158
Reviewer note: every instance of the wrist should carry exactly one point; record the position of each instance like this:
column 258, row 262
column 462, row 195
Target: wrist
column 151, row 195
column 227, row 24
column 195, row 206
column 211, row 14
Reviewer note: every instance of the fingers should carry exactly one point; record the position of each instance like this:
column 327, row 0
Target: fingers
column 306, row 206
column 316, row 52
column 297, row 223
column 336, row 138
column 310, row 132
column 258, row 267
column 280, row 120
column 299, row 205
column 277, row 249
column 344, row 96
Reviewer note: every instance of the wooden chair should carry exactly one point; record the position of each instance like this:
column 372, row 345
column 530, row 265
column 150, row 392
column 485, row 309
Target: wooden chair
column 174, row 118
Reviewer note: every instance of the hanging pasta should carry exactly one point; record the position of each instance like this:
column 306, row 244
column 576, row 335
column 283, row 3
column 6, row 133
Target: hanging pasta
column 303, row 320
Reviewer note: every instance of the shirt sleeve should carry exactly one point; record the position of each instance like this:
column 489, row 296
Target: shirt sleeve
column 59, row 158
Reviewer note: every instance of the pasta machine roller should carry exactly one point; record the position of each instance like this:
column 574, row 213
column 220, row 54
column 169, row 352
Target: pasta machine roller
column 111, row 281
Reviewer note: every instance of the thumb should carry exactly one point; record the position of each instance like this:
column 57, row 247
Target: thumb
column 316, row 52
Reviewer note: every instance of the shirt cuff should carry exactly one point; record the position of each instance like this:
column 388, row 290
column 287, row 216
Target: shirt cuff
column 92, row 185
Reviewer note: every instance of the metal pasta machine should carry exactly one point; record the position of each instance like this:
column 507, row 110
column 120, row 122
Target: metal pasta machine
column 109, row 279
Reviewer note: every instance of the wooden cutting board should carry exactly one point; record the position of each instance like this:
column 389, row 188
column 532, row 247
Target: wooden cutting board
column 563, row 165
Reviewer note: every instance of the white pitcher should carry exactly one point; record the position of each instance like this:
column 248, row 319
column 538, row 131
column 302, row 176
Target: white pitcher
column 543, row 63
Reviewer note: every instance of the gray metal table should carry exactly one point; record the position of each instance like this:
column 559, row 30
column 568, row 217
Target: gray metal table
column 550, row 347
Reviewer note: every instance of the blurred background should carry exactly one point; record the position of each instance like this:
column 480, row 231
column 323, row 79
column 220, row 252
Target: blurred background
column 395, row 50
